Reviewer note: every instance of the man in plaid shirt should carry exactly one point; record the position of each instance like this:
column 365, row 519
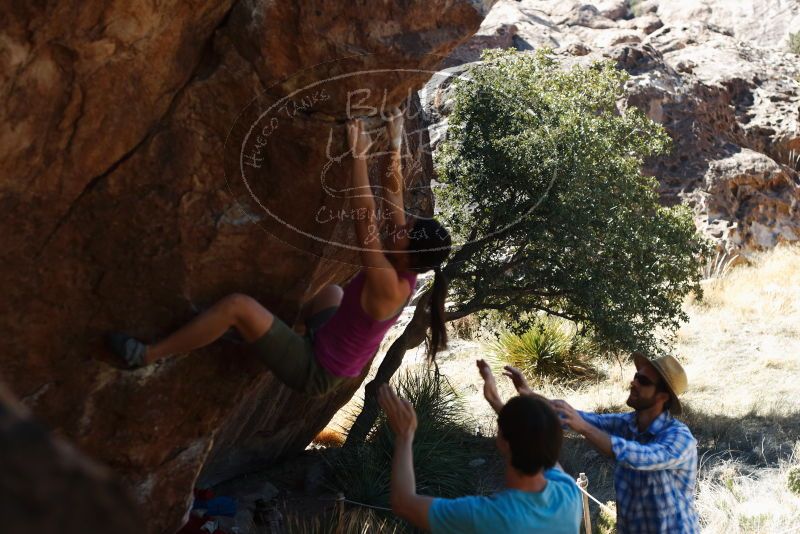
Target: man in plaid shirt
column 655, row 454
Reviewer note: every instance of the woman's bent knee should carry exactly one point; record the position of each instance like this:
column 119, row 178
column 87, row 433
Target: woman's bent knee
column 237, row 302
column 328, row 297
column 250, row 318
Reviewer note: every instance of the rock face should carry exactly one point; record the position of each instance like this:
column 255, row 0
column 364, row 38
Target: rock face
column 716, row 74
column 762, row 23
column 158, row 157
column 47, row 486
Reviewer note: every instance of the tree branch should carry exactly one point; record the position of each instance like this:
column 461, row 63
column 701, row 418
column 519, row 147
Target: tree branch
column 413, row 335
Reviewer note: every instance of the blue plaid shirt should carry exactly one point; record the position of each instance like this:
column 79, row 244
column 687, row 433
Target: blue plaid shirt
column 654, row 475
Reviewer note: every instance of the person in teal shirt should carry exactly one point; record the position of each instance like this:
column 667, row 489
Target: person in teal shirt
column 538, row 496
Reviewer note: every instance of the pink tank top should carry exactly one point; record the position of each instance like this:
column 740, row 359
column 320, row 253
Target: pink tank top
column 347, row 341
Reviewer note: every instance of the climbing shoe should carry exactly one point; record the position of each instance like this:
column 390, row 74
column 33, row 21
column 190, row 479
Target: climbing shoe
column 131, row 350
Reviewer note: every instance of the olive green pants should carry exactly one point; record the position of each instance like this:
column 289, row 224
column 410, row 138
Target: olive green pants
column 291, row 358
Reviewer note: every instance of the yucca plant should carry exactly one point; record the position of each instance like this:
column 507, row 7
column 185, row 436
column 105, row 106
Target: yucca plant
column 793, row 479
column 444, row 445
column 548, row 350
column 720, row 264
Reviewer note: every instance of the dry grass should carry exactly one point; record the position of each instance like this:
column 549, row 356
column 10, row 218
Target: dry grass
column 764, row 294
column 741, row 347
column 742, row 341
column 735, row 498
column 342, row 520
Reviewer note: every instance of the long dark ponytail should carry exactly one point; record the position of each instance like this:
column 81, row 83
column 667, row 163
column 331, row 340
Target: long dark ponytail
column 429, row 246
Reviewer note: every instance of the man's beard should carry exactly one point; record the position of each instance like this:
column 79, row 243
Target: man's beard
column 640, row 403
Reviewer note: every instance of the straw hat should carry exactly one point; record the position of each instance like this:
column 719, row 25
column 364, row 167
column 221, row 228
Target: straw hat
column 671, row 372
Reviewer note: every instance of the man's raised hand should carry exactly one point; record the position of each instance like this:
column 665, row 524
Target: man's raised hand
column 400, row 413
column 518, row 379
column 485, row 371
column 489, row 386
column 569, row 415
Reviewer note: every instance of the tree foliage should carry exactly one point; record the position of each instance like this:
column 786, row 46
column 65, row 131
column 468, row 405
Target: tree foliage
column 541, row 182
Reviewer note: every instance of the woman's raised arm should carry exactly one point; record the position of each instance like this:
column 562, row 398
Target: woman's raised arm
column 393, row 185
column 383, row 285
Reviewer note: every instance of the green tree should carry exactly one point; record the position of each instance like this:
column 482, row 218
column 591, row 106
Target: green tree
column 541, row 183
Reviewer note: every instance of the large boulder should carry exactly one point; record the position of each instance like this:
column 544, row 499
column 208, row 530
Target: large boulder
column 145, row 176
column 48, row 486
column 744, row 198
column 763, row 23
column 733, row 111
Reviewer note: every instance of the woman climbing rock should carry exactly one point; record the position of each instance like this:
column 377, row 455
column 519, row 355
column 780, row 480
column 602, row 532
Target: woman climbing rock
column 344, row 327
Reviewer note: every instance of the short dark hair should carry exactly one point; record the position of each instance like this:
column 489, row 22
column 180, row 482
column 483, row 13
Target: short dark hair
column 533, row 432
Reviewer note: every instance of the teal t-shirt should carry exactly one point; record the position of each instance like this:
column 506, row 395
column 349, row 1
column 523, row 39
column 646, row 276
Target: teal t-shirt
column 555, row 510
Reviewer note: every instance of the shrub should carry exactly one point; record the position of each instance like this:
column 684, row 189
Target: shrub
column 549, row 349
column 444, row 445
column 465, row 328
column 607, row 522
column 793, row 479
column 635, row 7
column 794, row 43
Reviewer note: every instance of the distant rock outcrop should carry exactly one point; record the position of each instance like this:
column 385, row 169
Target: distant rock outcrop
column 122, row 207
column 716, row 74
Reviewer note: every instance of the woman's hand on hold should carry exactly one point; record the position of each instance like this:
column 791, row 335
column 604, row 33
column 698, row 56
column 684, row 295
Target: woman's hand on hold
column 364, row 142
column 394, row 127
column 354, row 127
column 358, row 138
